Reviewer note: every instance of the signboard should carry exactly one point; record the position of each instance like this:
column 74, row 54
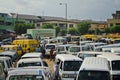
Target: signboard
column 40, row 33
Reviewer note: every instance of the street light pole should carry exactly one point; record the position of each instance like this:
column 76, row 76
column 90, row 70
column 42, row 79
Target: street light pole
column 65, row 16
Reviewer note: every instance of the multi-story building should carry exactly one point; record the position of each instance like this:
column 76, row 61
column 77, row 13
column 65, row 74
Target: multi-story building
column 101, row 25
column 57, row 21
column 115, row 20
column 32, row 19
column 7, row 21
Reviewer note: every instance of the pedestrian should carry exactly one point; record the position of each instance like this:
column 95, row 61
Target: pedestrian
column 51, row 53
column 43, row 52
column 37, row 49
column 56, row 71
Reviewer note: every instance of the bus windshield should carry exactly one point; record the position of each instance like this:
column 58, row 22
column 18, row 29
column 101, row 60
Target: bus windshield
column 93, row 75
column 72, row 65
column 115, row 65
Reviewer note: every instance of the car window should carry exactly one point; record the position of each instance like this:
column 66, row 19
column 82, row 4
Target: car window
column 8, row 63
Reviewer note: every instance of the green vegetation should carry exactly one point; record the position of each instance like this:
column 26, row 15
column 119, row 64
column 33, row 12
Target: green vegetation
column 83, row 28
column 21, row 28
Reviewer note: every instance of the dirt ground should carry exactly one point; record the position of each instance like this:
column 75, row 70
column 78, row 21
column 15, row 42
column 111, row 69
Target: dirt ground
column 50, row 64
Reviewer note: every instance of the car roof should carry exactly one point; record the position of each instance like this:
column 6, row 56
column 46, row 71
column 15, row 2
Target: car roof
column 26, row 71
column 94, row 63
column 8, row 53
column 32, row 55
column 67, row 57
column 110, row 57
column 30, row 60
column 4, row 58
column 93, row 52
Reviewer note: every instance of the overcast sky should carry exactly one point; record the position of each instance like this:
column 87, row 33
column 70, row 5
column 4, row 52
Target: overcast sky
column 77, row 9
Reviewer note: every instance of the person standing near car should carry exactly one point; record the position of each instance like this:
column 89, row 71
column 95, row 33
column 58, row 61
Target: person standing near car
column 56, row 71
column 51, row 53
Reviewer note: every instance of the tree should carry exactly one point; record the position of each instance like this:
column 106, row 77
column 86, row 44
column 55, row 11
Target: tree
column 21, row 28
column 107, row 30
column 83, row 27
column 47, row 26
column 57, row 30
column 97, row 31
column 72, row 31
column 63, row 31
column 115, row 29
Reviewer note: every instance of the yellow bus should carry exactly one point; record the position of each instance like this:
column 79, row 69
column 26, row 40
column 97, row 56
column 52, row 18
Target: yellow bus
column 27, row 45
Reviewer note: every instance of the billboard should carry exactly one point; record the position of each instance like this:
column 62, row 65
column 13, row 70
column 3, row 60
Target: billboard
column 40, row 33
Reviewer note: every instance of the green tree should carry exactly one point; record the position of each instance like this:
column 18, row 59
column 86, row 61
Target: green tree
column 63, row 32
column 106, row 30
column 57, row 30
column 47, row 26
column 115, row 29
column 97, row 31
column 72, row 31
column 21, row 28
column 83, row 27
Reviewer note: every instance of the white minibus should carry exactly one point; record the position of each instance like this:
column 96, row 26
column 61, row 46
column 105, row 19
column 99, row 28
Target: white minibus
column 94, row 68
column 31, row 73
column 114, row 63
column 69, row 66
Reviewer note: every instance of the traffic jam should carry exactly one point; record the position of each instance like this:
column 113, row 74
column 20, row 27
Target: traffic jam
column 60, row 58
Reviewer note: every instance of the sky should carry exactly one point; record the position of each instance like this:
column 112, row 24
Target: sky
column 99, row 10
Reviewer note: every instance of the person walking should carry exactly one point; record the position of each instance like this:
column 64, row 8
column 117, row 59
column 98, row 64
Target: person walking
column 51, row 53
column 56, row 71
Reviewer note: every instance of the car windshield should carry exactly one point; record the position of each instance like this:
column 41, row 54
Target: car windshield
column 50, row 46
column 115, row 65
column 75, row 49
column 93, row 75
column 26, row 77
column 72, row 65
column 29, row 64
column 88, row 55
column 61, row 48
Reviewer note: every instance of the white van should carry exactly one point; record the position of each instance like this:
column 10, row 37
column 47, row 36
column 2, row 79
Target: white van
column 99, row 48
column 41, row 73
column 84, row 54
column 114, row 62
column 112, row 50
column 2, row 74
column 94, row 68
column 6, row 63
column 69, row 66
column 31, row 62
column 48, row 47
column 32, row 55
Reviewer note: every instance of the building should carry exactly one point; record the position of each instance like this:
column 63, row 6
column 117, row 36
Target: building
column 57, row 21
column 115, row 20
column 32, row 19
column 101, row 25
